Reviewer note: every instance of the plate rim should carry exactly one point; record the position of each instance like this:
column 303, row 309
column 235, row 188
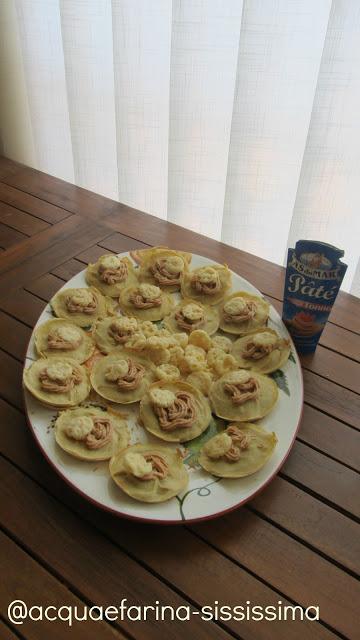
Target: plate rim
column 146, row 520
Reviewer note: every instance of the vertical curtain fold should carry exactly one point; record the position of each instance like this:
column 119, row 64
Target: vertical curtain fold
column 328, row 198
column 279, row 58
column 237, row 119
column 86, row 29
column 142, row 40
column 15, row 122
column 204, row 55
column 44, row 70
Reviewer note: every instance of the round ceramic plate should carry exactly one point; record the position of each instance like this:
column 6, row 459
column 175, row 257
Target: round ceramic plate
column 206, row 496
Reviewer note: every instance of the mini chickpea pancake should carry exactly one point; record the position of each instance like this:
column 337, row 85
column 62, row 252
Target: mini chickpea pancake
column 167, row 372
column 243, row 395
column 149, row 473
column 57, row 381
column 122, row 377
column 208, row 285
column 112, row 332
column 83, row 306
column 145, row 302
column 219, row 362
column 190, row 315
column 200, row 338
column 91, row 433
column 223, row 343
column 110, row 274
column 174, row 411
column 140, row 255
column 164, row 268
column 202, row 380
column 243, row 313
column 263, row 351
column 61, row 337
column 242, row 449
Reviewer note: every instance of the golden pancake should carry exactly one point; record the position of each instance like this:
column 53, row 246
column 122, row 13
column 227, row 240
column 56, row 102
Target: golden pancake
column 174, row 411
column 140, row 255
column 113, row 332
column 242, row 313
column 164, row 268
column 110, row 274
column 263, row 351
column 191, row 315
column 57, row 381
column 149, row 473
column 242, row 449
column 91, row 433
column 145, row 302
column 208, row 284
column 83, row 306
column 122, row 377
column 61, row 337
column 243, row 395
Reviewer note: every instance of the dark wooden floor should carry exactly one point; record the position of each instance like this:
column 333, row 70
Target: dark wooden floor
column 297, row 542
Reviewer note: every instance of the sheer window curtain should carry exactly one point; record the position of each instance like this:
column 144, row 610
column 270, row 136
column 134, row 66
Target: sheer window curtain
column 237, row 120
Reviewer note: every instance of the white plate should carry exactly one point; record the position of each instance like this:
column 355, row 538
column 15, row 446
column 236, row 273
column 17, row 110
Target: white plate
column 206, row 496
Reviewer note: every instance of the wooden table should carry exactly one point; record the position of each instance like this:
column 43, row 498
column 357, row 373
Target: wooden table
column 297, row 542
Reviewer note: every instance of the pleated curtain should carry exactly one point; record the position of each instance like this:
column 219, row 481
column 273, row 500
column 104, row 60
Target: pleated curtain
column 239, row 120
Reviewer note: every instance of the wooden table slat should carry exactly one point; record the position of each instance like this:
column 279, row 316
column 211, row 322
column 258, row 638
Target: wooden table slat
column 312, row 521
column 331, row 399
column 21, row 221
column 68, row 269
column 9, row 167
column 335, row 367
column 14, row 336
column 45, row 287
column 37, row 255
column 10, row 237
column 120, row 243
column 11, row 389
column 272, row 555
column 23, row 306
column 91, row 254
column 30, row 582
column 29, row 204
column 325, row 477
column 330, row 436
column 6, row 633
column 59, row 193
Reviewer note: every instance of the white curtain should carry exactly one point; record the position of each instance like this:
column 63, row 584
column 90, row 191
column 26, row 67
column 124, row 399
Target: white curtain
column 239, row 120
